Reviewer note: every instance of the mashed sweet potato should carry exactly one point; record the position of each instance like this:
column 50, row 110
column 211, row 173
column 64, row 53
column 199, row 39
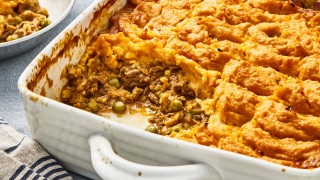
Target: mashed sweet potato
column 239, row 75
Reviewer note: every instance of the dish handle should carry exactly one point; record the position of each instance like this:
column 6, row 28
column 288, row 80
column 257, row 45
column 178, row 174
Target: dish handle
column 108, row 165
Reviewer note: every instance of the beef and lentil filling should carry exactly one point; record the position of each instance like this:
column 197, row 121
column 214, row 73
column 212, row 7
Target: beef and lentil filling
column 132, row 87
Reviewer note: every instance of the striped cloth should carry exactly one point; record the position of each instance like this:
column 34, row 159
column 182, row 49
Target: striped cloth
column 23, row 158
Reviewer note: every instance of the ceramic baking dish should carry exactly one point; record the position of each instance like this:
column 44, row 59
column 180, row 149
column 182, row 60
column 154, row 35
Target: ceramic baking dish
column 99, row 148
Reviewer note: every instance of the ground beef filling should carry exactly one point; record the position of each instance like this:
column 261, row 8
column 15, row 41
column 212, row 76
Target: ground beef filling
column 156, row 88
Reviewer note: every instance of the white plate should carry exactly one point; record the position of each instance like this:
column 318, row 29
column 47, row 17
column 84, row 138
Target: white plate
column 57, row 9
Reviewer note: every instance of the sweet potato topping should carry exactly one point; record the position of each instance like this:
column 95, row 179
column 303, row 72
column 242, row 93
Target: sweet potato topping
column 19, row 18
column 239, row 75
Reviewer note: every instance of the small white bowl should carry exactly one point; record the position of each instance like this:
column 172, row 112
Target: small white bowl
column 57, row 9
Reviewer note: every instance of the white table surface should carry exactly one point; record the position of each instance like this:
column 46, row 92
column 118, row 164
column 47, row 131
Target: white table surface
column 11, row 108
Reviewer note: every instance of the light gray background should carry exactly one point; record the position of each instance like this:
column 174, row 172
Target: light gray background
column 11, row 108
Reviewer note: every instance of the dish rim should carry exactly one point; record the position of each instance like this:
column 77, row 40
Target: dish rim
column 29, row 72
column 41, row 31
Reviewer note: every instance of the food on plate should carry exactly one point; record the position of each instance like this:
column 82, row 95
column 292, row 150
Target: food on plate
column 239, row 75
column 19, row 18
column 312, row 4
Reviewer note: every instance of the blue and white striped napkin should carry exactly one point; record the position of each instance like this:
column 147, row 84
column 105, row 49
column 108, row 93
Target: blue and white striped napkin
column 23, row 158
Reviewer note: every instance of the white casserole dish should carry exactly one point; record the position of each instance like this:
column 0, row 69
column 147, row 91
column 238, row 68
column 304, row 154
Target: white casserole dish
column 69, row 134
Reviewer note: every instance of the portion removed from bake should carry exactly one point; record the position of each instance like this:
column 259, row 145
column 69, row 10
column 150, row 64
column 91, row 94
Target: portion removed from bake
column 239, row 75
column 19, row 18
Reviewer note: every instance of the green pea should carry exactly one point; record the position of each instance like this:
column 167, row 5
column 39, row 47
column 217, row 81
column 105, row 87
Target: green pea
column 119, row 107
column 194, row 111
column 177, row 128
column 115, row 83
column 18, row 19
column 152, row 129
column 45, row 23
column 93, row 105
column 176, row 105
